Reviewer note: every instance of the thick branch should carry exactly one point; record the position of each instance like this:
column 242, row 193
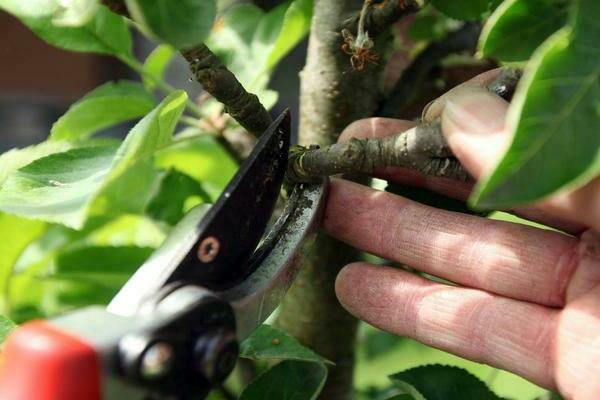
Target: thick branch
column 407, row 87
column 423, row 149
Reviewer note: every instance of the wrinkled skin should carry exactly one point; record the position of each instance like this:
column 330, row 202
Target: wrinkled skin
column 527, row 300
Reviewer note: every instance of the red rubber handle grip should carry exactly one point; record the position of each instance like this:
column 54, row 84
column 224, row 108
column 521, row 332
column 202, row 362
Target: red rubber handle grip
column 41, row 362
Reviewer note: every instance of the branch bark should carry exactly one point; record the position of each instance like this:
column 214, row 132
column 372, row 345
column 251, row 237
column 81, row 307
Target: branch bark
column 332, row 96
column 222, row 84
column 383, row 14
column 423, row 148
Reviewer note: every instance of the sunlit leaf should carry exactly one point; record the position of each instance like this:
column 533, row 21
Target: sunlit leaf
column 63, row 187
column 518, row 27
column 442, row 382
column 554, row 115
column 171, row 201
column 14, row 159
column 105, row 33
column 296, row 24
column 156, row 64
column 17, row 234
column 251, row 41
column 203, row 159
column 288, row 380
column 76, row 12
column 105, row 106
column 182, row 23
column 267, row 343
column 30, row 8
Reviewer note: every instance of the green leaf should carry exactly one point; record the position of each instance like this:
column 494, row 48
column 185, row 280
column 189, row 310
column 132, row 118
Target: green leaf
column 463, row 10
column 76, row 12
column 71, row 13
column 30, row 8
column 442, row 382
column 6, row 327
column 106, row 33
column 17, row 234
column 66, row 187
column 430, row 25
column 518, row 27
column 156, row 64
column 38, row 290
column 86, row 262
column 402, row 397
column 57, row 188
column 554, row 115
column 203, row 159
column 251, row 42
column 17, row 158
column 172, row 200
column 182, row 23
column 296, row 24
column 288, row 380
column 107, row 105
column 268, row 343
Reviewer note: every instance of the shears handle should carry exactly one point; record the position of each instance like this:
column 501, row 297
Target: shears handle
column 41, row 361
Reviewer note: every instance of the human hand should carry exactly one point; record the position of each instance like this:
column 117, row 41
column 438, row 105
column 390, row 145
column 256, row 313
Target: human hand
column 527, row 300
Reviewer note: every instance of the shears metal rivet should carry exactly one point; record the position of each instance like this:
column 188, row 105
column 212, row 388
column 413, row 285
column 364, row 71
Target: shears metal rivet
column 208, row 249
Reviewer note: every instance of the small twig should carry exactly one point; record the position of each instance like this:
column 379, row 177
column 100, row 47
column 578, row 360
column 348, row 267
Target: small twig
column 409, row 84
column 380, row 15
column 423, row 149
column 217, row 80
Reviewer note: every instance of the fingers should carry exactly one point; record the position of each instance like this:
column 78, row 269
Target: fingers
column 473, row 122
column 374, row 128
column 468, row 322
column 509, row 259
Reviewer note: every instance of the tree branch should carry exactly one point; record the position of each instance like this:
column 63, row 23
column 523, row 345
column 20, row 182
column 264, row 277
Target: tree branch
column 407, row 87
column 382, row 14
column 217, row 80
column 222, row 84
column 423, row 149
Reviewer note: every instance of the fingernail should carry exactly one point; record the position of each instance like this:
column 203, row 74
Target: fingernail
column 474, row 112
column 426, row 109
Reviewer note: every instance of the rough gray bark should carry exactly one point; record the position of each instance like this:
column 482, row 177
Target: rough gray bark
column 332, row 96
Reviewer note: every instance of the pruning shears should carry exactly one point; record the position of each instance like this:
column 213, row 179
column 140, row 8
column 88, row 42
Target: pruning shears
column 172, row 331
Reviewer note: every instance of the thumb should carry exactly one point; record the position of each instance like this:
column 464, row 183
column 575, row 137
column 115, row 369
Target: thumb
column 474, row 124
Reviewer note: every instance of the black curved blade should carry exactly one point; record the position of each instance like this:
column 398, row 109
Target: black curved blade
column 230, row 231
